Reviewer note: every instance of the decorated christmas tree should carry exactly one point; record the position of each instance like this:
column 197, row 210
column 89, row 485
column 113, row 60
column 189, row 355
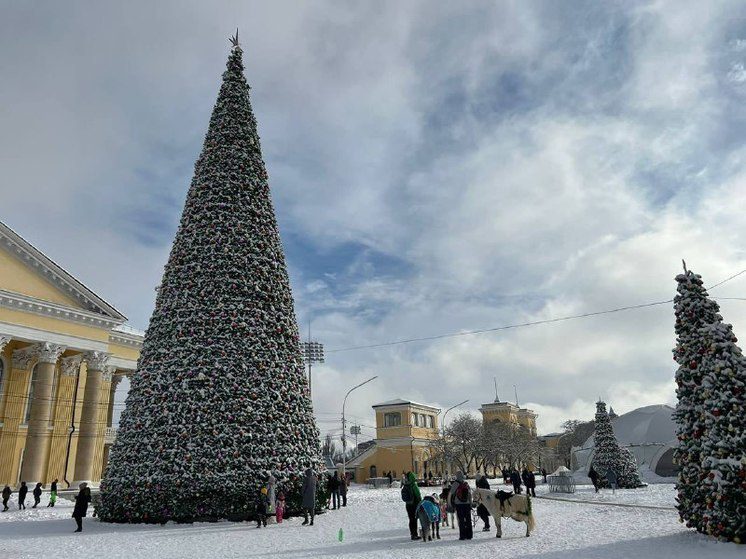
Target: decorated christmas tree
column 609, row 456
column 712, row 417
column 219, row 397
column 694, row 310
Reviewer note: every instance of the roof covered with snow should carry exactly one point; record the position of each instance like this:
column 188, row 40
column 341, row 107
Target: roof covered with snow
column 400, row 402
column 646, row 425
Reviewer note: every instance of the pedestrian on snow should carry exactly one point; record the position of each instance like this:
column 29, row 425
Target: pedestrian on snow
column 280, row 507
column 506, row 476
column 82, row 499
column 611, row 478
column 391, row 478
column 460, row 496
column 271, row 494
column 37, row 495
column 333, row 488
column 544, row 474
column 22, row 491
column 530, row 482
column 428, row 513
column 410, row 494
column 309, row 496
column 430, row 477
column 262, row 504
column 53, row 494
column 343, row 489
column 515, row 479
column 593, row 474
column 484, row 514
column 6, row 497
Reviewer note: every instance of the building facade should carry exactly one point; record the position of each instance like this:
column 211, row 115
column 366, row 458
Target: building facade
column 63, row 351
column 507, row 412
column 406, row 440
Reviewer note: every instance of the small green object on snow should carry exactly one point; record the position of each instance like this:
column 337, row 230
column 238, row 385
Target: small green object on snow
column 341, row 535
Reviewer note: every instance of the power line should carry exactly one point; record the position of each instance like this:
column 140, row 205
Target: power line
column 522, row 324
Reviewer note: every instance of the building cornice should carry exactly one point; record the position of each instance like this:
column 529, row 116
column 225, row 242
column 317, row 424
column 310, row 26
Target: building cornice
column 123, row 338
column 24, row 303
column 56, row 275
column 25, row 333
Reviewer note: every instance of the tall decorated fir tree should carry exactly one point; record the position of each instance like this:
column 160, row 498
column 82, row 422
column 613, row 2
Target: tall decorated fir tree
column 609, row 456
column 220, row 397
column 722, row 489
column 694, row 310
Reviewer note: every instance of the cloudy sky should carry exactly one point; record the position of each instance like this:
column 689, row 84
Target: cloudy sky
column 436, row 167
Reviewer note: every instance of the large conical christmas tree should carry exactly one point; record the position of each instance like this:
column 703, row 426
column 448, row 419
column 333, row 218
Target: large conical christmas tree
column 220, row 397
column 712, row 416
column 607, row 454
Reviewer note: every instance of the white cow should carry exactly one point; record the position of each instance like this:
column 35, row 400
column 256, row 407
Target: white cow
column 517, row 507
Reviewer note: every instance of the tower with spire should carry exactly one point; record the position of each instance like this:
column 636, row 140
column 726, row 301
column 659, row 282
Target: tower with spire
column 219, row 399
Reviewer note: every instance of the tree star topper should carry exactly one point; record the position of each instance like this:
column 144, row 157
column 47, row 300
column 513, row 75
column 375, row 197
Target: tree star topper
column 234, row 40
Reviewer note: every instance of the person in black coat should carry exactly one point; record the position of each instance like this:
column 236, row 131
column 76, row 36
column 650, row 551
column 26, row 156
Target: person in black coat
column 22, row 491
column 593, row 474
column 484, row 514
column 37, row 495
column 6, row 497
column 515, row 479
column 529, row 480
column 391, row 478
column 82, row 499
column 333, row 487
column 343, row 483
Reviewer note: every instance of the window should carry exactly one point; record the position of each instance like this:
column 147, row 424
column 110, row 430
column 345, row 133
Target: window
column 416, row 419
column 392, row 420
column 30, row 398
column 431, row 421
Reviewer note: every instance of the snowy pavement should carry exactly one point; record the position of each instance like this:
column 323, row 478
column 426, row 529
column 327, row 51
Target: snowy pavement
column 661, row 495
column 375, row 525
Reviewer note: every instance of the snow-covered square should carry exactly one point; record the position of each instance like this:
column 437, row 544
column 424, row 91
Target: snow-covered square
column 374, row 525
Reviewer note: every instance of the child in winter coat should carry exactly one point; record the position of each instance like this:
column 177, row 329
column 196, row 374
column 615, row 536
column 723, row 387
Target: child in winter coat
column 280, row 507
column 261, row 508
column 428, row 513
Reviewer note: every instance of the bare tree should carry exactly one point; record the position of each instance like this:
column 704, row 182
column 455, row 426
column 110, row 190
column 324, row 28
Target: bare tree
column 463, row 445
column 508, row 444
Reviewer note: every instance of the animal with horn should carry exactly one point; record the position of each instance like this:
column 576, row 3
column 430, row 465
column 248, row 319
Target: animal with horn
column 505, row 504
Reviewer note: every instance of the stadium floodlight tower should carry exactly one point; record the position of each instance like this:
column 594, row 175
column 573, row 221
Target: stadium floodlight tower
column 313, row 352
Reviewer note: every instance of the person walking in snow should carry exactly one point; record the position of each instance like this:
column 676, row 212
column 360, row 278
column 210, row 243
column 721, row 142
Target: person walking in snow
column 6, row 497
column 410, row 494
column 484, row 514
column 343, row 481
column 53, row 494
column 612, row 479
column 460, row 496
column 333, row 488
column 22, row 491
column 544, row 474
column 529, row 480
column 37, row 495
column 309, row 495
column 391, row 478
column 262, row 504
column 593, row 474
column 280, row 507
column 82, row 499
column 515, row 479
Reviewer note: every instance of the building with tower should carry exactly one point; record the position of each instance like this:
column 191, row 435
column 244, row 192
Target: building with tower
column 63, row 351
column 508, row 412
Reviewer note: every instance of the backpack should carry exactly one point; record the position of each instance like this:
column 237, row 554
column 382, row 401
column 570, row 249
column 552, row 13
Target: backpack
column 406, row 494
column 462, row 492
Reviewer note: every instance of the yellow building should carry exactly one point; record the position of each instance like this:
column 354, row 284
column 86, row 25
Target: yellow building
column 506, row 412
column 406, row 435
column 63, row 350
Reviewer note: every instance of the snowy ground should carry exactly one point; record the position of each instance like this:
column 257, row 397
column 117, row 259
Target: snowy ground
column 660, row 495
column 375, row 525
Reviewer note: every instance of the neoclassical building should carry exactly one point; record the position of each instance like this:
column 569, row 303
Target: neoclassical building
column 63, row 351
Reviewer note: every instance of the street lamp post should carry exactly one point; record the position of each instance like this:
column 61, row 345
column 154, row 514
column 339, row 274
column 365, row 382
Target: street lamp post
column 443, row 430
column 344, row 432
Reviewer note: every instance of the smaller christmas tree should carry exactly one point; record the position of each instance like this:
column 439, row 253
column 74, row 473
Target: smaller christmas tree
column 609, row 456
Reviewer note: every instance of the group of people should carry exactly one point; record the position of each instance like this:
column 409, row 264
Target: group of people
column 23, row 492
column 271, row 501
column 596, row 479
column 525, row 478
column 82, row 499
column 454, row 499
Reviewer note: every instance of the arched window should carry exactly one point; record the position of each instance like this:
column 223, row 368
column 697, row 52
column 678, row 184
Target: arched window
column 30, row 395
column 373, row 471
